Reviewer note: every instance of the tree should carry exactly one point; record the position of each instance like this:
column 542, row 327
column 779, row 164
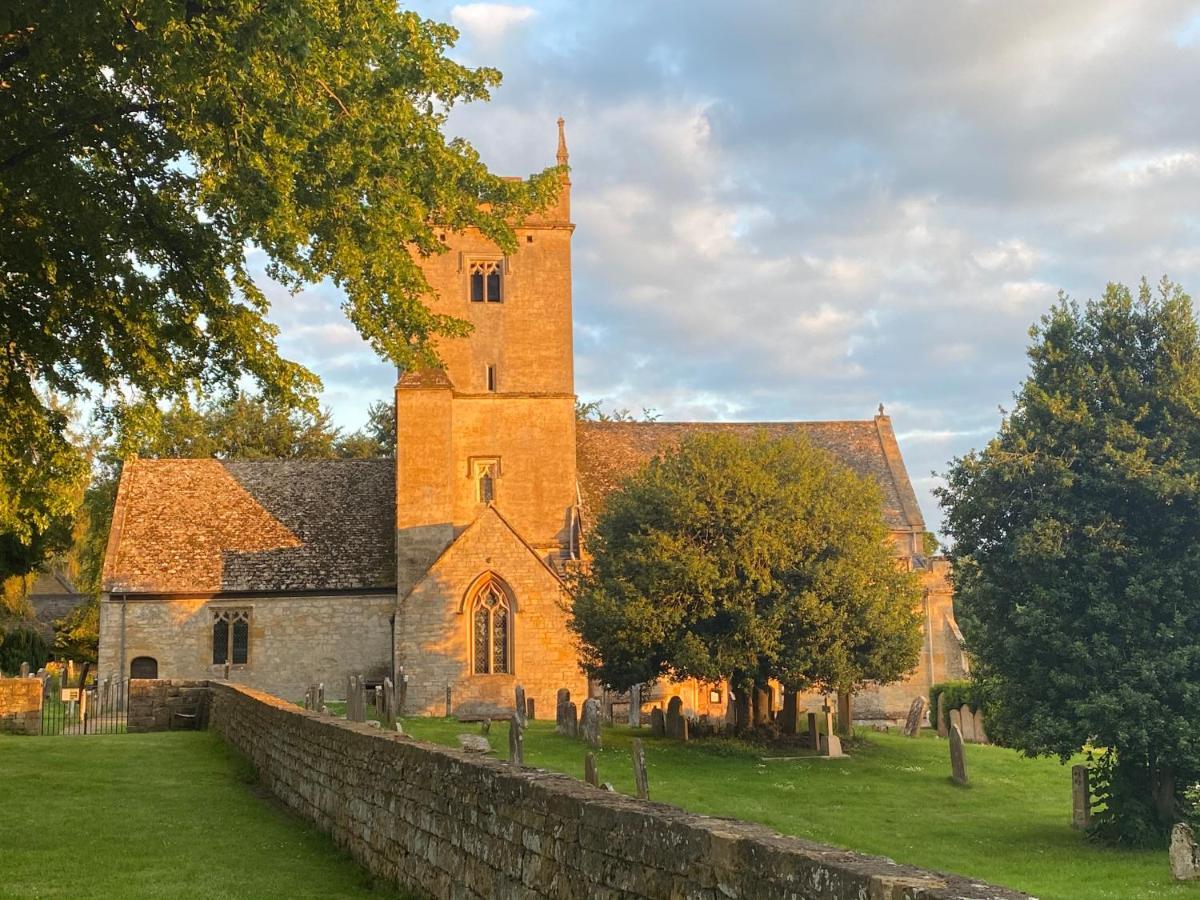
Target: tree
column 746, row 561
column 1077, row 553
column 376, row 439
column 144, row 146
column 22, row 645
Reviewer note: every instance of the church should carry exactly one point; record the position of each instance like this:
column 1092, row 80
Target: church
column 445, row 565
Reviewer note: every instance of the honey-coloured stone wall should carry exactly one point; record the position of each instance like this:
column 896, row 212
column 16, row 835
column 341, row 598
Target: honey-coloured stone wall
column 21, row 705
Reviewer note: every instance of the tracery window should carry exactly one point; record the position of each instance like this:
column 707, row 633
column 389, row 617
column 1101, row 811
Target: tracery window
column 231, row 637
column 486, row 472
column 487, row 281
column 491, row 626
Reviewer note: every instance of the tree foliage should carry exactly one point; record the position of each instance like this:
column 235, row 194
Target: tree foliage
column 748, row 561
column 145, row 145
column 1077, row 552
column 22, row 645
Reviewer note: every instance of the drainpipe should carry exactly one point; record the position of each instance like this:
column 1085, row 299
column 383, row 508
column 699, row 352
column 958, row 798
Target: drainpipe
column 124, row 606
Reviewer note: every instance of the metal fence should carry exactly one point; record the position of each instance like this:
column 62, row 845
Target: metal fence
column 96, row 709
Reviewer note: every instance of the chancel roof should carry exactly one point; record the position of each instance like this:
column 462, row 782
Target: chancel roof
column 210, row 526
column 609, row 451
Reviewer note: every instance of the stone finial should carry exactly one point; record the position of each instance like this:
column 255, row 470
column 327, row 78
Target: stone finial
column 562, row 156
column 881, row 412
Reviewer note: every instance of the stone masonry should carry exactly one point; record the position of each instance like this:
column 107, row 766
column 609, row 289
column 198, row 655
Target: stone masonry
column 153, row 704
column 448, row 824
column 21, row 705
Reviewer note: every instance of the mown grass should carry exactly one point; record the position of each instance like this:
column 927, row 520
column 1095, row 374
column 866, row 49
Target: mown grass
column 174, row 814
column 892, row 797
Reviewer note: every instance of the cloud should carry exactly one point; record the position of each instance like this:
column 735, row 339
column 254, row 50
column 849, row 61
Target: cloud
column 488, row 22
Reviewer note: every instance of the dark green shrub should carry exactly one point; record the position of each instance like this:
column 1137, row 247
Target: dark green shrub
column 22, row 645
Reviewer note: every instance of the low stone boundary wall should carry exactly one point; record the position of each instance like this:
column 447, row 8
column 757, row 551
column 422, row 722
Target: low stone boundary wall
column 21, row 705
column 153, row 704
column 443, row 823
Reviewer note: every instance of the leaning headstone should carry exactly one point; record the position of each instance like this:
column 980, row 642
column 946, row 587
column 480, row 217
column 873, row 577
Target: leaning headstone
column 968, row 723
column 570, row 720
column 943, row 728
column 519, row 702
column 814, row 733
column 635, row 706
column 831, row 746
column 916, row 717
column 658, row 723
column 1081, row 797
column 589, row 723
column 980, row 734
column 639, row 770
column 958, row 757
column 589, row 770
column 674, row 717
column 474, row 743
column 24, row 670
column 1185, row 855
column 516, row 740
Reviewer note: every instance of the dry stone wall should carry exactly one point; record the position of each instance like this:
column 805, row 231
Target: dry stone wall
column 447, row 824
column 21, row 705
column 153, row 704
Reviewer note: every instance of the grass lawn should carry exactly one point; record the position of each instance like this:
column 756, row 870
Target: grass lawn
column 894, row 797
column 173, row 814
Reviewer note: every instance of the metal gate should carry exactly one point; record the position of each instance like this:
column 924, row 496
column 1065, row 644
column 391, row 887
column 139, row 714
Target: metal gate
column 95, row 709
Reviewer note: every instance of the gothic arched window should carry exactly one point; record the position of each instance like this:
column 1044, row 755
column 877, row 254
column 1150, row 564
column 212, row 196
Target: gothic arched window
column 491, row 631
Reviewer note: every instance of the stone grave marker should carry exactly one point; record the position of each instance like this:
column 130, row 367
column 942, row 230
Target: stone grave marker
column 814, row 733
column 449, row 701
column 1081, row 797
column 831, row 744
column 639, row 770
column 560, row 715
column 955, row 719
column 401, row 690
column 943, row 729
column 981, row 736
column 658, row 725
column 571, row 720
column 516, row 740
column 968, row 723
column 529, row 710
column 321, row 697
column 589, row 724
column 388, row 716
column 519, row 702
column 378, row 701
column 474, row 743
column 674, row 717
column 24, row 670
column 845, row 716
column 958, row 756
column 589, row 770
column 684, row 728
column 635, row 706
column 916, row 716
column 1185, row 855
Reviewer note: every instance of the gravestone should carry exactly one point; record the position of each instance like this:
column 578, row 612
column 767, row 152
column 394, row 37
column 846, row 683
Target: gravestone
column 955, row 720
column 1081, row 797
column 831, row 746
column 560, row 714
column 968, row 723
column 401, row 690
column 589, row 724
column 845, row 714
column 24, row 670
column 943, row 728
column 635, row 706
column 377, row 699
column 958, row 757
column 658, row 725
column 1185, row 855
column 814, row 733
column 980, row 734
column 571, row 720
column 639, row 770
column 321, row 697
column 684, row 728
column 916, row 716
column 828, row 711
column 529, row 710
column 791, row 717
column 516, row 740
column 388, row 716
column 474, row 743
column 519, row 703
column 589, row 770
column 674, row 717
column 449, row 701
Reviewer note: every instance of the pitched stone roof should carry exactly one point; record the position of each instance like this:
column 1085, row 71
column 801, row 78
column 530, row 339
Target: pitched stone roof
column 207, row 525
column 609, row 451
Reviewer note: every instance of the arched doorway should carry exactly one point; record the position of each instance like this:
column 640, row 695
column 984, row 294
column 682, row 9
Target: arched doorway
column 143, row 667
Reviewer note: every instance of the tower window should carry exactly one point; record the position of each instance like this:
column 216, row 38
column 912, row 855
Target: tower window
column 487, row 281
column 491, row 624
column 491, row 379
column 231, row 637
column 485, row 472
column 529, row 238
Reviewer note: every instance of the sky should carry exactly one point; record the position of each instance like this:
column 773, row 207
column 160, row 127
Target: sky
column 803, row 210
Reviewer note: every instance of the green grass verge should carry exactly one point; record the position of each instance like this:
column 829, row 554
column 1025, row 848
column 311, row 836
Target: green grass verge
column 174, row 814
column 892, row 797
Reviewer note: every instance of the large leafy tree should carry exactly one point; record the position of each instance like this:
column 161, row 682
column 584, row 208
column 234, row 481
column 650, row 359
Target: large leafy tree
column 746, row 561
column 1077, row 552
column 146, row 144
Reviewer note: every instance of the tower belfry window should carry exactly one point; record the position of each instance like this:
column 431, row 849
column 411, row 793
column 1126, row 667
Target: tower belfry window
column 491, row 379
column 487, row 281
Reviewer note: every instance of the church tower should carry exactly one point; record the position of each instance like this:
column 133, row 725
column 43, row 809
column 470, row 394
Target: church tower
column 496, row 426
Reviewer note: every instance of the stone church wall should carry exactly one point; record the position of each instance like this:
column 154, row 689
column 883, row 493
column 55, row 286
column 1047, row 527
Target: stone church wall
column 449, row 825
column 20, row 705
column 294, row 641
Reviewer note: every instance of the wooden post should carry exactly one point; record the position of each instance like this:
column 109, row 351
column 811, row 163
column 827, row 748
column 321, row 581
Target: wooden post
column 589, row 770
column 639, row 770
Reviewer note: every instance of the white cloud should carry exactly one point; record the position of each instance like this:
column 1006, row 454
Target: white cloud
column 487, row 22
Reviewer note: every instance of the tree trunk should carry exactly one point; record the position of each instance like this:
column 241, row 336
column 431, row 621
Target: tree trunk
column 762, row 706
column 743, row 714
column 845, row 715
column 1163, row 785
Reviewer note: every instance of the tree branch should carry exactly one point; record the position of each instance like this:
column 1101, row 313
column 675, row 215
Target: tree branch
column 65, row 131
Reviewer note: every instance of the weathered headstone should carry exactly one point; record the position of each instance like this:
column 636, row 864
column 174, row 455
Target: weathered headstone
column 658, row 723
column 571, row 721
column 589, row 770
column 1081, row 797
column 519, row 702
column 943, row 727
column 639, row 770
column 560, row 713
column 968, row 723
column 635, row 706
column 589, row 724
column 845, row 717
column 828, row 712
column 958, row 756
column 814, row 733
column 474, row 743
column 516, row 740
column 684, row 728
column 831, row 746
column 955, row 719
column 24, row 670
column 321, row 697
column 449, row 701
column 916, row 717
column 1185, row 855
column 377, row 699
column 981, row 736
column 529, row 710
column 674, row 717
column 401, row 690
column 387, row 716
